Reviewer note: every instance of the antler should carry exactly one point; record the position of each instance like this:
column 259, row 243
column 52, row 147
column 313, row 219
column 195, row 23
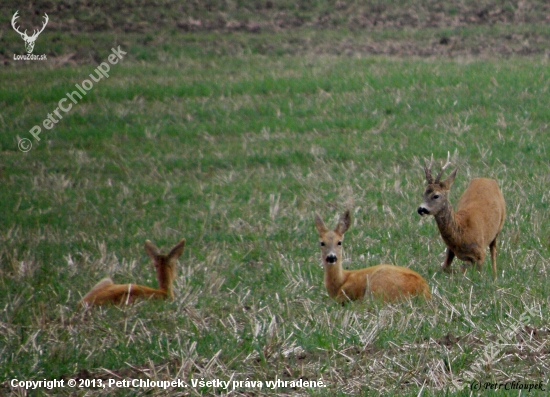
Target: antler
column 15, row 16
column 45, row 23
column 428, row 171
column 46, row 19
column 35, row 33
column 448, row 163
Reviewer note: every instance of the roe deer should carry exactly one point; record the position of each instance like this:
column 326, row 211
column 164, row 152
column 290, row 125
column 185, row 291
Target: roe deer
column 387, row 282
column 475, row 225
column 107, row 292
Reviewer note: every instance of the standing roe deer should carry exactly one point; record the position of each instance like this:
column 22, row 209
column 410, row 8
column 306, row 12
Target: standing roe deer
column 107, row 292
column 475, row 225
column 387, row 282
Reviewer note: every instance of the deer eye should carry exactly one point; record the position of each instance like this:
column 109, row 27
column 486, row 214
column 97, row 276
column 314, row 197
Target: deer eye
column 435, row 196
column 322, row 243
column 339, row 243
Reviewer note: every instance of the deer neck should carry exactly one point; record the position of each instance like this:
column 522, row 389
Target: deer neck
column 165, row 280
column 334, row 277
column 449, row 226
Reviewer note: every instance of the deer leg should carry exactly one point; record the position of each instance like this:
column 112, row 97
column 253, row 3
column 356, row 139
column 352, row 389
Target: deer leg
column 448, row 260
column 493, row 248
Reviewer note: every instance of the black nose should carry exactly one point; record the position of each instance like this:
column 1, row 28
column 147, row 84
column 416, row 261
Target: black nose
column 331, row 258
column 422, row 211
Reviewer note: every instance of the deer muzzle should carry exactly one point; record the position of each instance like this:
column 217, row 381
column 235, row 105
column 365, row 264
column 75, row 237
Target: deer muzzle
column 331, row 258
column 423, row 211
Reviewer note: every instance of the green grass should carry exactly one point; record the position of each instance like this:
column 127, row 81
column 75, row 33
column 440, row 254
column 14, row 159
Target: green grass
column 234, row 151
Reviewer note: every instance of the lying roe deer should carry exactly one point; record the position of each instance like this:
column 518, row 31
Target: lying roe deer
column 165, row 265
column 475, row 225
column 387, row 282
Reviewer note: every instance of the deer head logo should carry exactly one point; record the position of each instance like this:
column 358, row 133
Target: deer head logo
column 29, row 40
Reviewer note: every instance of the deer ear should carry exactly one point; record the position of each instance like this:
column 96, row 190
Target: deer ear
column 151, row 250
column 320, row 225
column 447, row 182
column 344, row 223
column 177, row 250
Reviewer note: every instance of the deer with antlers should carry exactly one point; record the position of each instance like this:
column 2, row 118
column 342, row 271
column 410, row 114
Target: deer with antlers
column 386, row 282
column 106, row 291
column 476, row 223
column 29, row 40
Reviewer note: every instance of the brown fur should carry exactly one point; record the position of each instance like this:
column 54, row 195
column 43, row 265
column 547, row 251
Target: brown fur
column 386, row 282
column 121, row 294
column 475, row 225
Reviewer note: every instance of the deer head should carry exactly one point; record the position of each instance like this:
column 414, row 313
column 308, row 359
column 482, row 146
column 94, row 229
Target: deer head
column 331, row 240
column 435, row 195
column 165, row 265
column 29, row 40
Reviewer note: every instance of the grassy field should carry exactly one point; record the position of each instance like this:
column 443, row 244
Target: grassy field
column 232, row 139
